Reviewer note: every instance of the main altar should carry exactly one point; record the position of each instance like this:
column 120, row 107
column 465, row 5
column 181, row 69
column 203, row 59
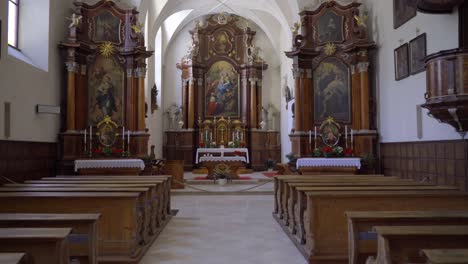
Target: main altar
column 221, row 83
column 104, row 100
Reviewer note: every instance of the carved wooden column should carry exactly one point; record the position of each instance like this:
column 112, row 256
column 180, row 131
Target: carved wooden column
column 191, row 104
column 185, row 102
column 308, row 102
column 199, row 100
column 140, row 74
column 81, row 99
column 72, row 68
column 245, row 96
column 356, row 95
column 259, row 102
column 129, row 105
column 364, row 74
column 253, row 103
column 298, row 107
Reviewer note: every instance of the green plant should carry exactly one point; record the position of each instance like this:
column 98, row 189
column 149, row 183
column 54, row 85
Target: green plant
column 368, row 161
column 291, row 158
column 270, row 163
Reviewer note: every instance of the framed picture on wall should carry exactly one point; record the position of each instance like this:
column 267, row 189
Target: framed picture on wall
column 417, row 53
column 403, row 11
column 401, row 62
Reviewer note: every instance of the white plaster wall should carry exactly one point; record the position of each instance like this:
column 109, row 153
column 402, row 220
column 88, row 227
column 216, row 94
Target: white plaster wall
column 25, row 86
column 397, row 100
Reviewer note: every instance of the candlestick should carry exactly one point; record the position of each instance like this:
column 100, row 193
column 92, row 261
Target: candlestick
column 90, row 139
column 85, row 135
column 128, row 141
column 123, row 138
column 346, row 135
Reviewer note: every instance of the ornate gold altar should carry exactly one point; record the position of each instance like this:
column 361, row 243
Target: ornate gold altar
column 105, row 58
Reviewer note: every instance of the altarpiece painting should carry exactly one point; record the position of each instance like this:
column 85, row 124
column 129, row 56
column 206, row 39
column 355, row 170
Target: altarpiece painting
column 106, row 82
column 222, row 90
column 332, row 90
column 330, row 28
column 107, row 28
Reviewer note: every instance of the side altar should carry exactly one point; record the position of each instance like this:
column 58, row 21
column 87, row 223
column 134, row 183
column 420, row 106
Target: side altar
column 222, row 160
column 104, row 100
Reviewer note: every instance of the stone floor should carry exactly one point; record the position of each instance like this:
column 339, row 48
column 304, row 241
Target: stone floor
column 223, row 230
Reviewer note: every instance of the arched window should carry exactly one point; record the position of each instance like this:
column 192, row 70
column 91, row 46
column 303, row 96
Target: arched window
column 13, row 22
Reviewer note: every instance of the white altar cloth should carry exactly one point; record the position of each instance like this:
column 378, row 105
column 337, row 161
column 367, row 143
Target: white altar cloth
column 109, row 163
column 328, row 162
column 221, row 159
column 201, row 151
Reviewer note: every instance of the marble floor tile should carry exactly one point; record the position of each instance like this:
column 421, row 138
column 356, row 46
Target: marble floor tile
column 223, row 230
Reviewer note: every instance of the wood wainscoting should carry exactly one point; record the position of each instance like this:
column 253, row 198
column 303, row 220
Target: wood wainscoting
column 23, row 160
column 440, row 162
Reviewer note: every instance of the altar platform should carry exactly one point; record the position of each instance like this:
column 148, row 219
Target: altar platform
column 328, row 166
column 109, row 166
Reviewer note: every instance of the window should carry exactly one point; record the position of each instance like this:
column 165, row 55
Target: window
column 13, row 18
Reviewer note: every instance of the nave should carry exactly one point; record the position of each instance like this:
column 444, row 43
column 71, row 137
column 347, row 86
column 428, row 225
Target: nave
column 223, row 229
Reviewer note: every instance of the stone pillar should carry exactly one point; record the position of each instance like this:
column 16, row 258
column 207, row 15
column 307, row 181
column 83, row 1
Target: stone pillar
column 298, row 107
column 141, row 73
column 253, row 103
column 191, row 104
column 364, row 74
column 72, row 68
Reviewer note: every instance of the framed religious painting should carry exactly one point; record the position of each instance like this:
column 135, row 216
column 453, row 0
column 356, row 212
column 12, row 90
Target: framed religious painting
column 330, row 28
column 106, row 90
column 401, row 62
column 417, row 54
column 107, row 28
column 332, row 90
column 222, row 90
column 403, row 11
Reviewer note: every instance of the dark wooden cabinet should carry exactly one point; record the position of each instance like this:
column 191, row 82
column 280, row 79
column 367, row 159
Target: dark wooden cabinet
column 179, row 145
column 264, row 145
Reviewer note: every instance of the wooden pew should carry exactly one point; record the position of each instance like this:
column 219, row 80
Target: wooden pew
column 145, row 206
column 158, row 209
column 14, row 258
column 325, row 224
column 45, row 245
column 445, row 256
column 163, row 181
column 362, row 239
column 296, row 206
column 402, row 244
column 280, row 180
column 83, row 239
column 119, row 227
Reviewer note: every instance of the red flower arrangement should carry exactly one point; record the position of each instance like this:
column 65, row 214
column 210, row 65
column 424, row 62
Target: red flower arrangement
column 242, row 144
column 201, row 144
column 97, row 151
column 118, row 151
column 327, row 150
column 348, row 152
column 238, row 153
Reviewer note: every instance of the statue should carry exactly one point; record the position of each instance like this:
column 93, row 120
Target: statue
column 174, row 114
column 75, row 20
column 272, row 113
column 154, row 98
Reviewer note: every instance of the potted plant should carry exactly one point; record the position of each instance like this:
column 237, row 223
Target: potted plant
column 368, row 162
column 318, row 152
column 221, row 178
column 291, row 159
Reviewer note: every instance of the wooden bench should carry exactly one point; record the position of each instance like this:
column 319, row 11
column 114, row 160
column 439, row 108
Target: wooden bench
column 402, row 244
column 119, row 227
column 325, row 224
column 362, row 239
column 446, row 256
column 44, row 245
column 145, row 206
column 83, row 239
column 14, row 258
column 296, row 206
column 163, row 181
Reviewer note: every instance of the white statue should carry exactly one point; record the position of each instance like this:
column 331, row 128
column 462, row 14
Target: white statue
column 75, row 20
column 272, row 114
column 174, row 114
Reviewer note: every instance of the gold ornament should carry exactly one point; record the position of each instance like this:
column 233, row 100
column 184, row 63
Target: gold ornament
column 330, row 49
column 106, row 49
column 361, row 20
column 137, row 28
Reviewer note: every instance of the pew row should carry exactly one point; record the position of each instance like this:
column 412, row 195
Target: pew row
column 445, row 256
column 44, row 245
column 14, row 258
column 324, row 224
column 362, row 239
column 120, row 225
column 402, row 244
column 82, row 240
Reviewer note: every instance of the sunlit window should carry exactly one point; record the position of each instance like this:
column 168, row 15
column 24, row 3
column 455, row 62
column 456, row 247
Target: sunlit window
column 13, row 18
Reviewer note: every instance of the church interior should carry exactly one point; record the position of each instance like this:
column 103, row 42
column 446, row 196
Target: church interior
column 233, row 131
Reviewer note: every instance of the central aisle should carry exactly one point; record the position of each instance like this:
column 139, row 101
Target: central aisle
column 223, row 230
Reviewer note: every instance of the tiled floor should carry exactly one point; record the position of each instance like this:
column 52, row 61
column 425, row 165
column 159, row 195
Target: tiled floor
column 223, row 230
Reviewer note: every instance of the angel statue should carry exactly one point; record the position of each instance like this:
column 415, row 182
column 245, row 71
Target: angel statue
column 174, row 116
column 75, row 20
column 295, row 28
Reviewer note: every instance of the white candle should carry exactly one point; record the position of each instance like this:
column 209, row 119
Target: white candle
column 315, row 132
column 211, row 136
column 346, row 132
column 310, row 137
column 128, row 140
column 352, row 138
column 85, row 132
column 123, row 138
column 90, row 138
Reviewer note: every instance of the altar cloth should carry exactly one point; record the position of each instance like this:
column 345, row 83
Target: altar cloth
column 328, row 162
column 201, row 151
column 109, row 163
